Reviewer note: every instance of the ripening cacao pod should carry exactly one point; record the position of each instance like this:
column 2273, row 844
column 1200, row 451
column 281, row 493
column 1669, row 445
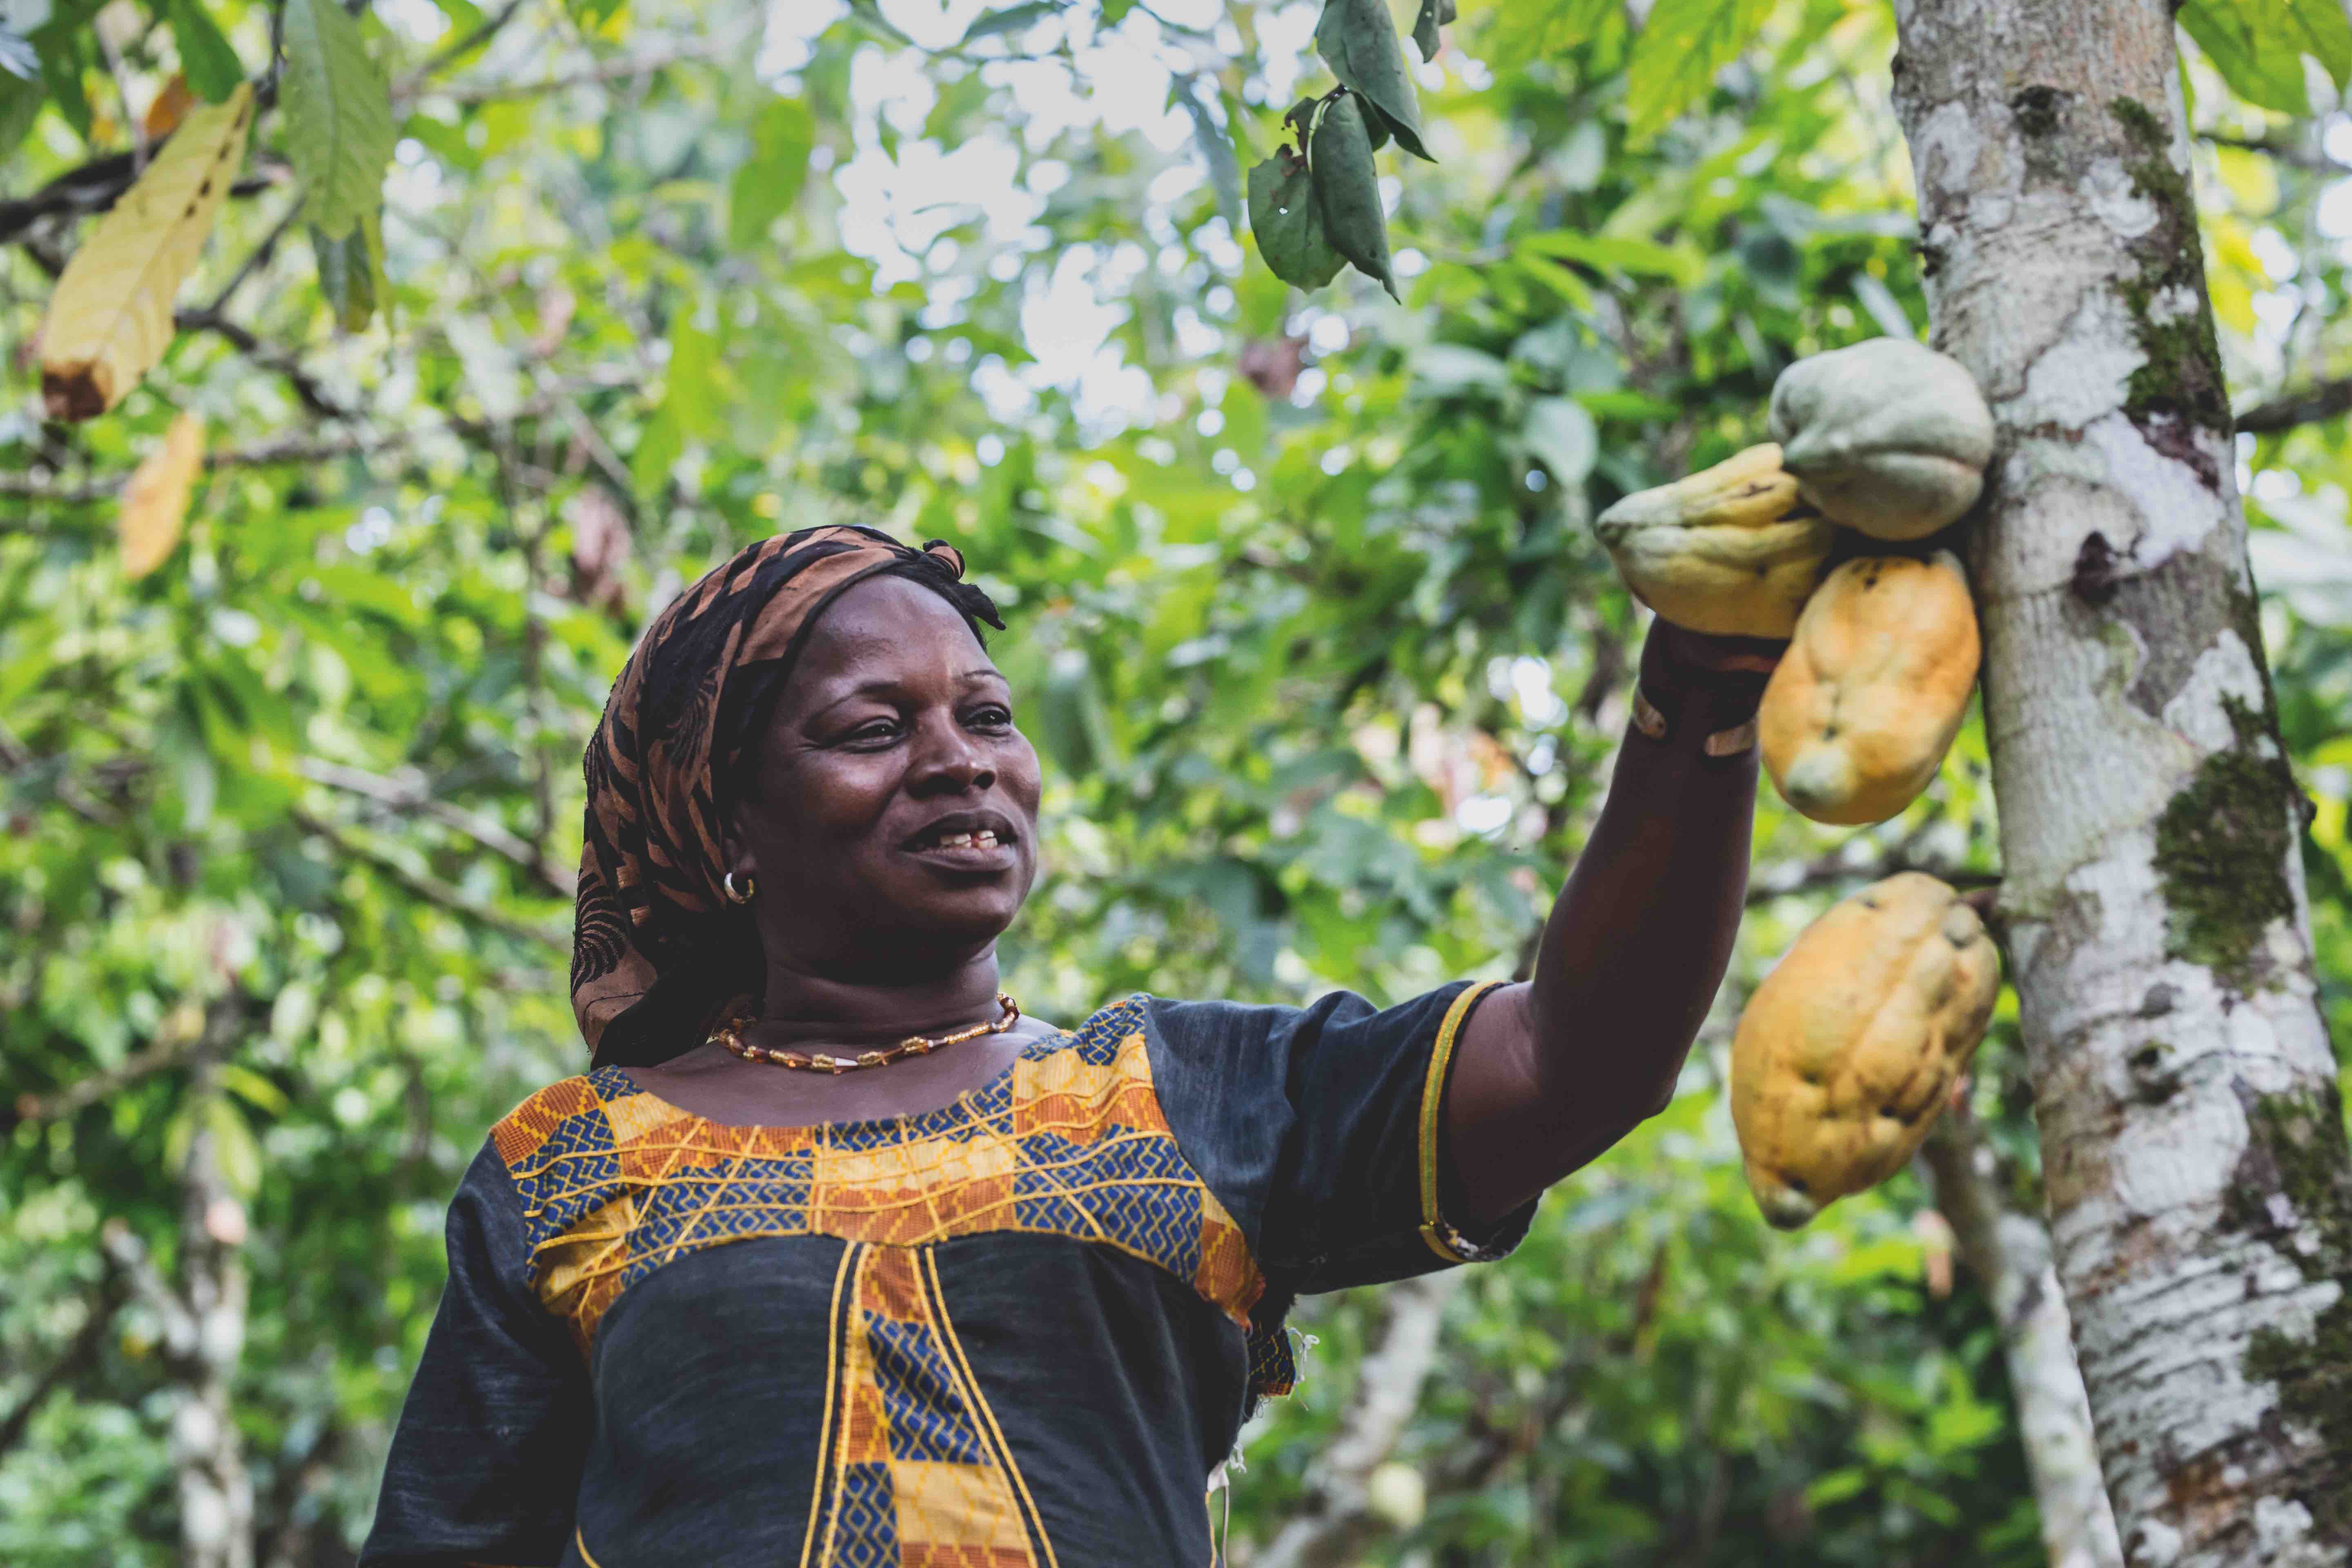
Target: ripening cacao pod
column 1728, row 549
column 1866, row 702
column 1887, row 436
column 1851, row 1045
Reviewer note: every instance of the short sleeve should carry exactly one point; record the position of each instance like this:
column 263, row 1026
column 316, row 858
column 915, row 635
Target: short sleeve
column 484, row 1464
column 1321, row 1130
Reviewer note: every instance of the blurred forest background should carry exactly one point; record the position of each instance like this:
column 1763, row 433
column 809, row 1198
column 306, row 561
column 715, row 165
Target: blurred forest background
column 1306, row 618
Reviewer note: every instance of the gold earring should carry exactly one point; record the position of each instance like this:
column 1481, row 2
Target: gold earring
column 751, row 888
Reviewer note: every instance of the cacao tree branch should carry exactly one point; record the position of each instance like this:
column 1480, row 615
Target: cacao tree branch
column 432, row 890
column 84, row 1092
column 410, row 795
column 1336, row 1519
column 306, row 386
column 79, row 1357
column 2008, row 1254
column 451, row 54
column 2320, row 401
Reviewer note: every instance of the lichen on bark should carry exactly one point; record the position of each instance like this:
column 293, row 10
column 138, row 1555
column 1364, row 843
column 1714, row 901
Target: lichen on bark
column 2220, row 852
column 2295, row 1149
column 2181, row 376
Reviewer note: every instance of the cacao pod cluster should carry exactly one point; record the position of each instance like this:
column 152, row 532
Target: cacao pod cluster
column 1850, row 1048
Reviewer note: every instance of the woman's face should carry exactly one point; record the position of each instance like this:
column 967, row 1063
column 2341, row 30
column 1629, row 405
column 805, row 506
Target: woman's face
column 896, row 811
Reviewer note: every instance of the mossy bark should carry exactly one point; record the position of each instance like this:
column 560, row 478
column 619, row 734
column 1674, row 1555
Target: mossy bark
column 2193, row 1152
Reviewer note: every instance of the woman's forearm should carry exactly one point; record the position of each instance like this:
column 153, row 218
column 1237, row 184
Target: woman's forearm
column 1551, row 1073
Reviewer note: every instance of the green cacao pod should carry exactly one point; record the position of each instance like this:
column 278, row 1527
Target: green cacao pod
column 1888, row 436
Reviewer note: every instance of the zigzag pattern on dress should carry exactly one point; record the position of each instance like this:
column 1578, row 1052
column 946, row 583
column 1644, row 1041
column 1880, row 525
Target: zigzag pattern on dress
column 1070, row 1141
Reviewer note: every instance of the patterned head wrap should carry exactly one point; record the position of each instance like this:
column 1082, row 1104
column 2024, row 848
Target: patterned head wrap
column 657, row 953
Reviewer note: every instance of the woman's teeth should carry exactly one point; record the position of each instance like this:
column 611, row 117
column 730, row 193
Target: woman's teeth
column 984, row 839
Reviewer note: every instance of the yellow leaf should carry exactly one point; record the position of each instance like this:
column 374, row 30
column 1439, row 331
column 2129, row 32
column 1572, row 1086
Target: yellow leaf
column 157, row 501
column 111, row 317
column 171, row 107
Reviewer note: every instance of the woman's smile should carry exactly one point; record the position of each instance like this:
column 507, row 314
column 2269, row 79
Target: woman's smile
column 967, row 841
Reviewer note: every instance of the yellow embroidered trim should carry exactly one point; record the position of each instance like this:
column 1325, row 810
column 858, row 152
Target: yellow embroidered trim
column 826, row 1436
column 1072, row 1142
column 980, row 1403
column 1443, row 1239
column 578, row 1540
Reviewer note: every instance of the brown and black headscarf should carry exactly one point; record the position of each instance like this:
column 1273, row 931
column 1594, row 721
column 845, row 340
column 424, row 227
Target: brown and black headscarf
column 658, row 955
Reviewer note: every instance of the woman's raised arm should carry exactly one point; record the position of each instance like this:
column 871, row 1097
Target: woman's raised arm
column 1550, row 1073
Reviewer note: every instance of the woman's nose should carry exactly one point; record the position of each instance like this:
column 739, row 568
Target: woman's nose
column 947, row 761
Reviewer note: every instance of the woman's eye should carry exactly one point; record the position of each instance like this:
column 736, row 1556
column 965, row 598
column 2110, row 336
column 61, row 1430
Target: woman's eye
column 877, row 731
column 991, row 718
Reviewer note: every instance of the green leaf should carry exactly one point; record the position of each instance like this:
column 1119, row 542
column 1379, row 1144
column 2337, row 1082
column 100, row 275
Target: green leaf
column 1628, row 257
column 1288, row 222
column 1358, row 39
column 209, row 63
column 1349, row 188
column 62, row 63
column 1562, row 435
column 347, row 277
column 254, row 1089
column 2258, row 46
column 1434, row 14
column 235, row 1149
column 20, row 105
column 1012, row 20
column 592, row 14
column 659, row 445
column 782, row 134
column 1680, row 48
column 338, row 115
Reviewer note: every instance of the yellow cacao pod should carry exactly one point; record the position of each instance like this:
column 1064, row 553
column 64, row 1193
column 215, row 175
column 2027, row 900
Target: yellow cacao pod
column 1858, row 715
column 1887, row 436
column 1728, row 549
column 1850, row 1048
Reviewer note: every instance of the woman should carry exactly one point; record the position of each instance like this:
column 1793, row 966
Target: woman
column 834, row 1258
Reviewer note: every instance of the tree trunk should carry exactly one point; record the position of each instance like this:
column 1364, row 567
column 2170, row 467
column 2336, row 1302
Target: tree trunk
column 2192, row 1134
column 2008, row 1254
column 1339, row 1518
column 203, row 1317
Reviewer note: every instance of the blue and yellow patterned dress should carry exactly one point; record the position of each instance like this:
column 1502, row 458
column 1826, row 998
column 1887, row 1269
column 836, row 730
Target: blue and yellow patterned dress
column 1015, row 1333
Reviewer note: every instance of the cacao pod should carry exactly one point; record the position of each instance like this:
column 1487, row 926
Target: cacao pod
column 1851, row 1045
column 1866, row 702
column 1728, row 549
column 1887, row 436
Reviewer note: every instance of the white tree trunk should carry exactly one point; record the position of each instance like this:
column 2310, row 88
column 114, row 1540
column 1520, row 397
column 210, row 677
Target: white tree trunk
column 1340, row 1517
column 2009, row 1256
column 2192, row 1135
column 203, row 1317
column 216, row 1490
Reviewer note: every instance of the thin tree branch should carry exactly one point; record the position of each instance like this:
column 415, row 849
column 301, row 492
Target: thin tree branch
column 123, row 1247
column 2285, row 151
column 410, row 796
column 313, row 397
column 84, row 1092
column 432, row 890
column 441, row 59
column 1832, row 870
column 257, row 260
column 15, row 757
column 627, row 69
column 106, row 1301
column 2320, row 401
